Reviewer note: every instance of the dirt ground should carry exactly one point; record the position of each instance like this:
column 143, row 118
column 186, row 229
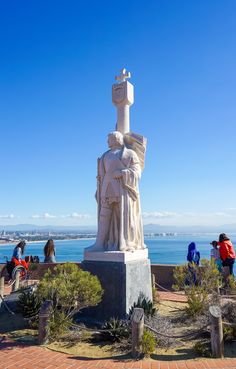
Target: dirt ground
column 15, row 328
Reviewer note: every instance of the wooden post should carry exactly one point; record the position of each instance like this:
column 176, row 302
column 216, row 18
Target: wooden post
column 16, row 284
column 1, row 289
column 137, row 331
column 44, row 315
column 217, row 343
column 153, row 281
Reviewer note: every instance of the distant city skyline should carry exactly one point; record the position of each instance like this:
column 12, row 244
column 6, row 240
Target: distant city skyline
column 160, row 218
column 58, row 62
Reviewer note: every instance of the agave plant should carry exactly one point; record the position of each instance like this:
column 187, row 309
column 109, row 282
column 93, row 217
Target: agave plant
column 115, row 329
column 29, row 305
column 145, row 304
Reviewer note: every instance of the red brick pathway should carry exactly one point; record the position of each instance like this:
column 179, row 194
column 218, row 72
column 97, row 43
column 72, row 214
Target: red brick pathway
column 13, row 355
column 171, row 296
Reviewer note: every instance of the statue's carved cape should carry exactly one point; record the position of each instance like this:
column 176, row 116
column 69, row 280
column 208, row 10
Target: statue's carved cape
column 138, row 143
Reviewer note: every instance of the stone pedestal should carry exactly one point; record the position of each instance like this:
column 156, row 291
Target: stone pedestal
column 122, row 280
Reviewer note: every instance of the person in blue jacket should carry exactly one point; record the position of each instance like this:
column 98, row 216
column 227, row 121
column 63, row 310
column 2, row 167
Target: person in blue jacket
column 193, row 258
column 193, row 255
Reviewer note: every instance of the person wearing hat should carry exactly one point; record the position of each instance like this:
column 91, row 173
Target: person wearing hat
column 227, row 253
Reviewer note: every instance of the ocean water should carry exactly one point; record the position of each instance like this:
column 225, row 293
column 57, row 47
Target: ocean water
column 162, row 250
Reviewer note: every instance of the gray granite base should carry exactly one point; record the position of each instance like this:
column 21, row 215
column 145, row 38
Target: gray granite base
column 122, row 284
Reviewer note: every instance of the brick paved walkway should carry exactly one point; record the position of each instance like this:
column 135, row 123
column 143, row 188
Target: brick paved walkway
column 13, row 355
column 170, row 296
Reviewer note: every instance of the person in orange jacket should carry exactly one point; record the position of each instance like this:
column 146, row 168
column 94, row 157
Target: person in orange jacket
column 18, row 253
column 227, row 253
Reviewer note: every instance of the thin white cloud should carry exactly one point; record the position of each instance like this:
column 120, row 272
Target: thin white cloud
column 7, row 216
column 220, row 214
column 185, row 215
column 159, row 214
column 47, row 215
column 43, row 216
column 73, row 215
column 76, row 215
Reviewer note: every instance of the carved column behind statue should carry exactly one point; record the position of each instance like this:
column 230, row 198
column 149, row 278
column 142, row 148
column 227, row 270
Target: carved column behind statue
column 123, row 98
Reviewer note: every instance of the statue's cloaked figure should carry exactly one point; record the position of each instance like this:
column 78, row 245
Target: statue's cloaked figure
column 119, row 214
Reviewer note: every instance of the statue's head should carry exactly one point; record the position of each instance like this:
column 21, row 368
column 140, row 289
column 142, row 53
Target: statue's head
column 115, row 139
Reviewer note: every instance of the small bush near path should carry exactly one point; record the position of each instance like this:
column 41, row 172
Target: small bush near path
column 197, row 299
column 202, row 349
column 70, row 289
column 148, row 343
column 231, row 284
column 200, row 285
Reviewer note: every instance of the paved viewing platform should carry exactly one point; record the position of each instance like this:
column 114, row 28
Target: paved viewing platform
column 14, row 355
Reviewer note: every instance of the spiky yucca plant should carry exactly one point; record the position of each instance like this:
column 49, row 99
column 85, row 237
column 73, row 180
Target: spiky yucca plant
column 29, row 305
column 145, row 304
column 115, row 329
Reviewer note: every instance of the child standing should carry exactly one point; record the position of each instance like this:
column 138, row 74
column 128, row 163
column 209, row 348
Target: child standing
column 215, row 256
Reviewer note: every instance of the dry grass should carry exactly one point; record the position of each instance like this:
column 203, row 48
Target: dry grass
column 82, row 345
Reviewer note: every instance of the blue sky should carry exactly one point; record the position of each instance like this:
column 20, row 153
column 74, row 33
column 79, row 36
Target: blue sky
column 58, row 60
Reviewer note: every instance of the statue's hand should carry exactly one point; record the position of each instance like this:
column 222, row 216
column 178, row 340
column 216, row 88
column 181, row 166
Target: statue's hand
column 117, row 174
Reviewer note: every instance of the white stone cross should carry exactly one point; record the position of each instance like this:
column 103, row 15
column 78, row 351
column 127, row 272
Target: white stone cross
column 123, row 75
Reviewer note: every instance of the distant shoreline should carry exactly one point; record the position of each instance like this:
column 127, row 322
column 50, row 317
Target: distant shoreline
column 44, row 241
column 146, row 236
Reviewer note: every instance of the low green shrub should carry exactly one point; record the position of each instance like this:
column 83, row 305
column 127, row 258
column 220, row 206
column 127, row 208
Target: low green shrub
column 202, row 349
column 196, row 299
column 229, row 332
column 59, row 324
column 200, row 285
column 155, row 296
column 232, row 284
column 148, row 343
column 70, row 289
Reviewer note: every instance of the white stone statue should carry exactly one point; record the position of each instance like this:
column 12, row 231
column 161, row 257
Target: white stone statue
column 119, row 170
column 119, row 214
